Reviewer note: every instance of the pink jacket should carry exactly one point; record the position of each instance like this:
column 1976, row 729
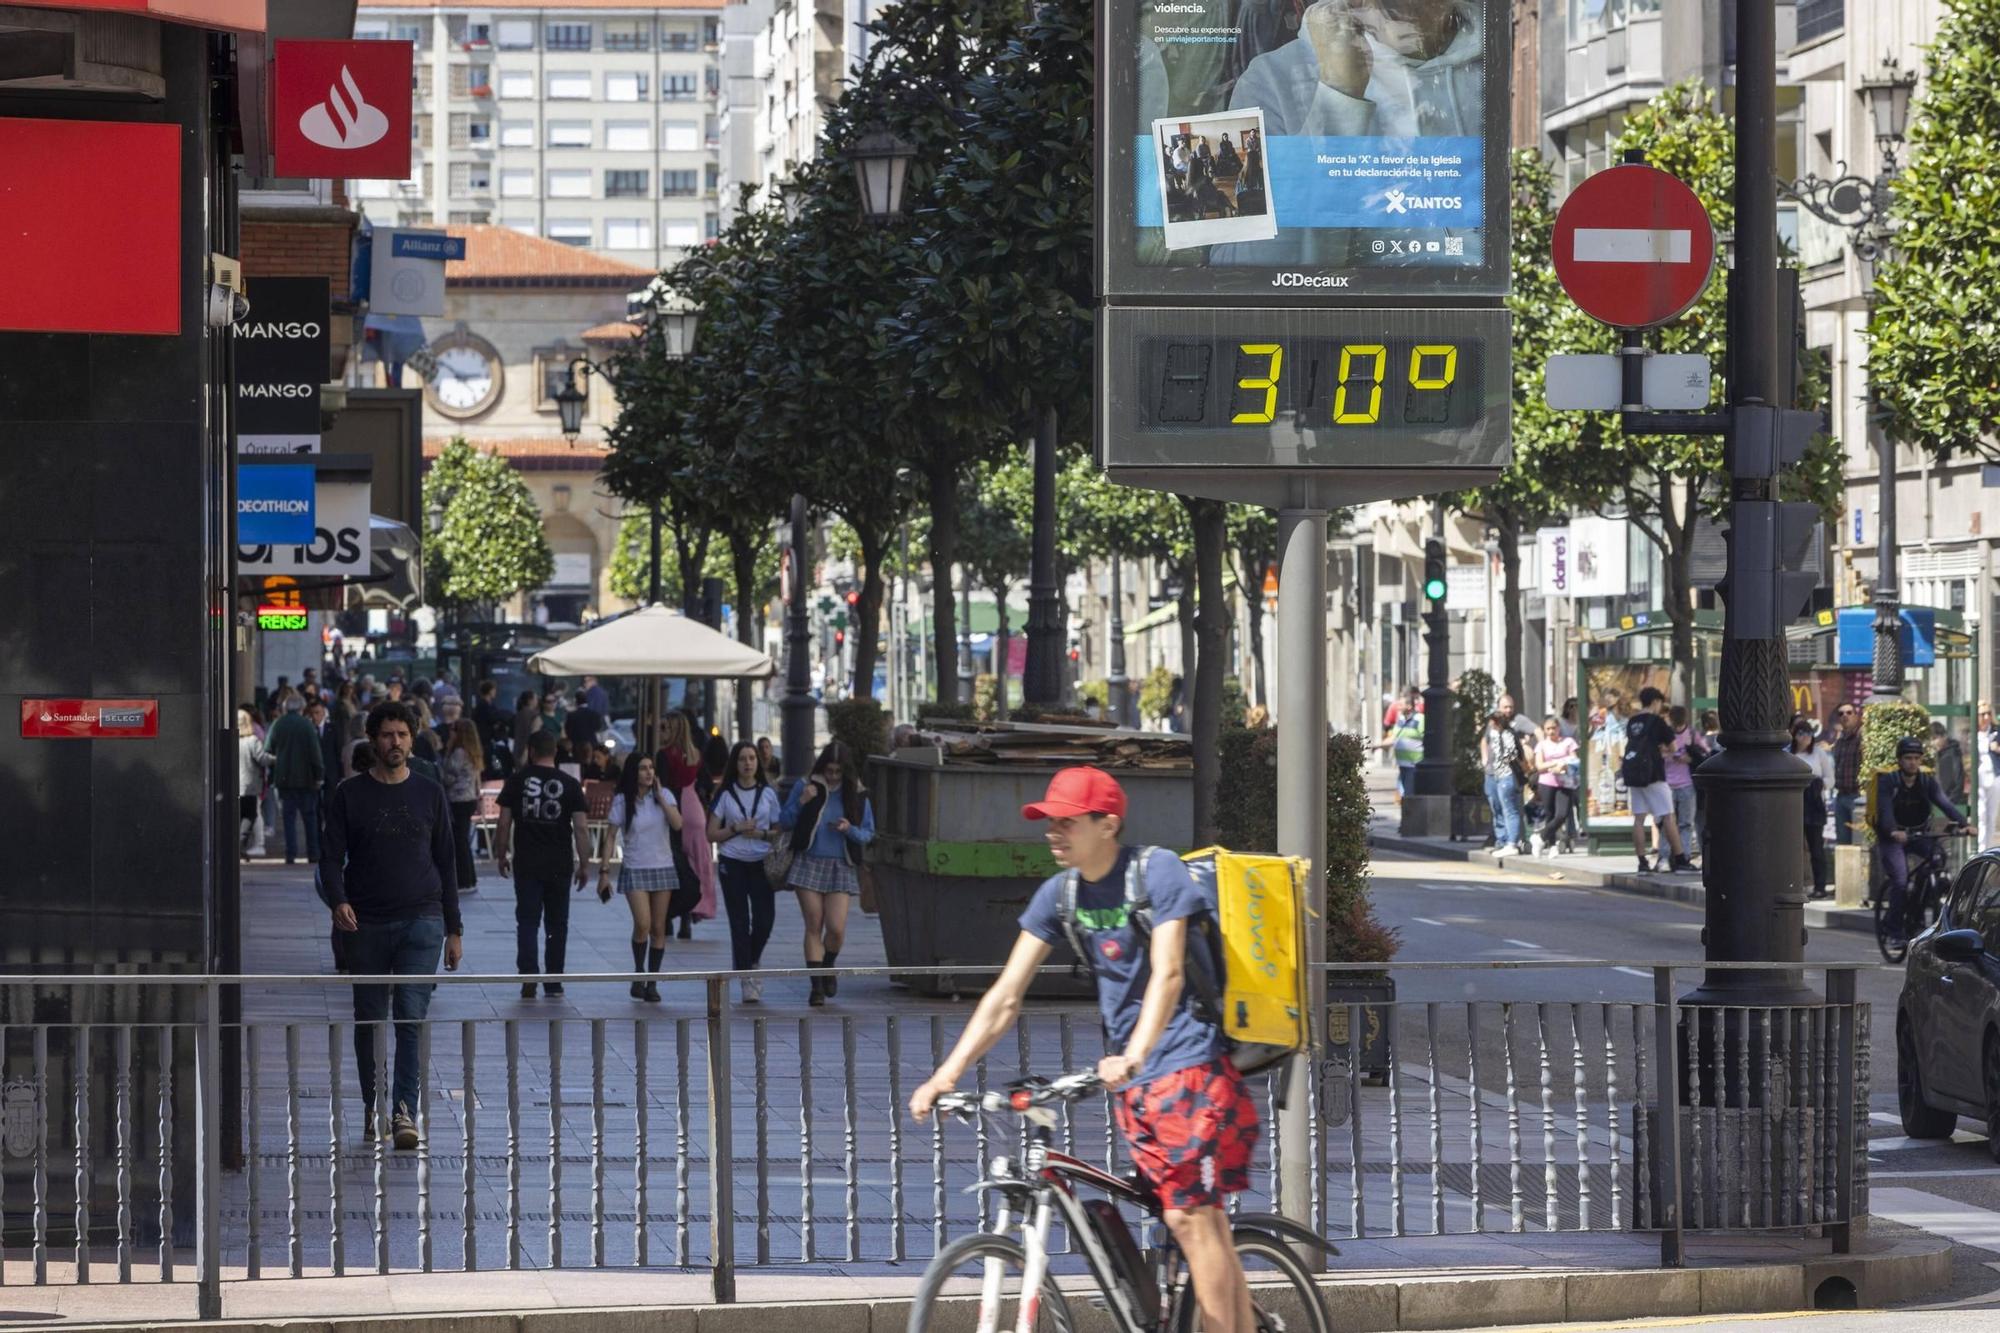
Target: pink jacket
column 700, row 854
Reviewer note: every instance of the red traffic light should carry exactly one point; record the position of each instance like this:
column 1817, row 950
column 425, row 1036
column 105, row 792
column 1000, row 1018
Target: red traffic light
column 840, row 638
column 853, row 599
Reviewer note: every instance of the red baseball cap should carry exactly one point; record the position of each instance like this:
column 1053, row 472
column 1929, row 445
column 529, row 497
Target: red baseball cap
column 1079, row 791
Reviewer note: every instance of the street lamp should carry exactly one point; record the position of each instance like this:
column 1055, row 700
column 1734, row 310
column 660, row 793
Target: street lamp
column 1861, row 206
column 881, row 163
column 570, row 399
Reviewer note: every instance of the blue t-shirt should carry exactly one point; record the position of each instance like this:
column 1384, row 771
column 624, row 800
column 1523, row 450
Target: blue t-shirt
column 1122, row 968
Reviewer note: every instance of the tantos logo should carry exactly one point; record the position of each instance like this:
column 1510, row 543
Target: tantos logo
column 344, row 119
column 1395, row 201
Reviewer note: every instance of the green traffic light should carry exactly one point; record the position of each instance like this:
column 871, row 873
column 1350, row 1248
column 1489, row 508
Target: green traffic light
column 1434, row 589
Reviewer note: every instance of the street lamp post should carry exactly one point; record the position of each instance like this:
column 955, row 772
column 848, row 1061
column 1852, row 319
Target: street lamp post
column 1861, row 206
column 796, row 709
column 1118, row 685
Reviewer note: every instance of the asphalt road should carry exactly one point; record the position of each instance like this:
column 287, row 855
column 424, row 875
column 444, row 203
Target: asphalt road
column 1453, row 912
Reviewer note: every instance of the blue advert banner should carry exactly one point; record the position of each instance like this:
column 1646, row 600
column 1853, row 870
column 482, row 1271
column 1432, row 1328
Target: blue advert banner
column 1357, row 182
column 274, row 505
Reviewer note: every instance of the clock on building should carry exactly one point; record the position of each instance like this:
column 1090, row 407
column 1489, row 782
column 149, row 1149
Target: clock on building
column 468, row 376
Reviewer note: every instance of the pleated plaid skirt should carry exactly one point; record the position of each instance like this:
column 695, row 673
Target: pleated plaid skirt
column 823, row 874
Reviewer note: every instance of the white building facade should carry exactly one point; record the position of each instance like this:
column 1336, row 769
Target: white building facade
column 591, row 124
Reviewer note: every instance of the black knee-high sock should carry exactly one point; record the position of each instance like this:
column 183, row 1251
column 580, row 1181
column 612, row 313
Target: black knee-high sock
column 638, row 955
column 654, row 954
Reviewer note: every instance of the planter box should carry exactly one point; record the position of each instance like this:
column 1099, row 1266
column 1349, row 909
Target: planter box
column 1471, row 817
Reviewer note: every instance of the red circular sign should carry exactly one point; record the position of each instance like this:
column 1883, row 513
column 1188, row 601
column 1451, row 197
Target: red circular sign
column 1633, row 246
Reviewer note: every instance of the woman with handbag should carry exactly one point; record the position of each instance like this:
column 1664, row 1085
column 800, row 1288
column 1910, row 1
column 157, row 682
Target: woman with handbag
column 647, row 820
column 739, row 824
column 831, row 821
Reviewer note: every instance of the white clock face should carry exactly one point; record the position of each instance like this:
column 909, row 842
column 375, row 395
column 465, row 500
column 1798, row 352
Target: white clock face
column 466, row 380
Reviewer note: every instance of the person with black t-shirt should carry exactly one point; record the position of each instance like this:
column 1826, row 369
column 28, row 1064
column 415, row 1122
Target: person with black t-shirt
column 390, row 876
column 545, row 811
column 1648, row 739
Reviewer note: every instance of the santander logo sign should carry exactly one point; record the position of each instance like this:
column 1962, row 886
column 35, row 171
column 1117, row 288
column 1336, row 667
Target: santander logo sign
column 341, row 110
column 344, row 119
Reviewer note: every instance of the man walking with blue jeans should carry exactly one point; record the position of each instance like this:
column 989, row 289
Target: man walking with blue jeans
column 298, row 767
column 391, row 875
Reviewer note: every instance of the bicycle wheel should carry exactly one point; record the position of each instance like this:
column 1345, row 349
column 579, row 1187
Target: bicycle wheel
column 1282, row 1290
column 981, row 1275
column 1893, row 949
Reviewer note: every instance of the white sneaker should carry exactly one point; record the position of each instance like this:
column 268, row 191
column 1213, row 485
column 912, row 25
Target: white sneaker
column 753, row 991
column 1504, row 850
column 1535, row 845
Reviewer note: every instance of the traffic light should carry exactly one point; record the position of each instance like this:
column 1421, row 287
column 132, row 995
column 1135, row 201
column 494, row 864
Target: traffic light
column 854, row 599
column 839, row 639
column 1763, row 440
column 1772, row 559
column 1435, row 585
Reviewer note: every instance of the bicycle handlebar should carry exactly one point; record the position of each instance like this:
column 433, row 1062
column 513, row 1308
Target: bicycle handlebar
column 1022, row 1096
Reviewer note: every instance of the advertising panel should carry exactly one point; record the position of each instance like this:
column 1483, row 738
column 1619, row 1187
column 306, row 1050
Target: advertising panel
column 1303, row 147
column 342, row 109
column 89, row 719
column 1611, row 696
column 339, row 546
column 274, row 504
column 281, row 361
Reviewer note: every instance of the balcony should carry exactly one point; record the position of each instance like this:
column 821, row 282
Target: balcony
column 1820, row 18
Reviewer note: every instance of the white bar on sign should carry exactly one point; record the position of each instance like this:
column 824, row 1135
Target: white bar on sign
column 1631, row 245
column 1586, row 382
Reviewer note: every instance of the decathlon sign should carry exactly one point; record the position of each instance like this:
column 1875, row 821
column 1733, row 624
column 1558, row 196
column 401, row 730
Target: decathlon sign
column 275, row 503
column 338, row 546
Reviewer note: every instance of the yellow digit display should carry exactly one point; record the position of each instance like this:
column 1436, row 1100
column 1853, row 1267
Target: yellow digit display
column 1268, row 382
column 1343, row 417
column 1448, row 351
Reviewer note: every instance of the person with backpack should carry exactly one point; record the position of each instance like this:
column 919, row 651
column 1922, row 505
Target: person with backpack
column 739, row 824
column 1648, row 740
column 1189, row 1123
column 831, row 820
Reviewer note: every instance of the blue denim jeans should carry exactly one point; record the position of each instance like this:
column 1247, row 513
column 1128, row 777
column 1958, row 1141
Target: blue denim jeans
column 1406, row 779
column 302, row 802
column 402, row 948
column 1503, row 794
column 1843, row 818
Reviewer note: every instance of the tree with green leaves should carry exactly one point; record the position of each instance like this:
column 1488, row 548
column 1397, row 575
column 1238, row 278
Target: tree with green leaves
column 1253, row 545
column 483, row 539
column 1934, row 363
column 995, row 506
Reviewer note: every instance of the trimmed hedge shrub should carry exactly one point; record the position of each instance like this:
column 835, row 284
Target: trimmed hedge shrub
column 1472, row 701
column 1246, row 820
column 1882, row 725
column 861, row 724
column 1156, row 693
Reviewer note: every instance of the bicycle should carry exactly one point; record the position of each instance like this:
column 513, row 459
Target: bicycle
column 1923, row 897
column 1144, row 1292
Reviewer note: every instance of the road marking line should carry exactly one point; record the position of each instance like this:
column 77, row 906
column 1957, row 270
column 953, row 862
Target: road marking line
column 1426, row 921
column 1522, row 944
column 1897, row 1143
column 1639, row 972
column 1967, row 1174
column 1959, row 1223
column 1632, row 245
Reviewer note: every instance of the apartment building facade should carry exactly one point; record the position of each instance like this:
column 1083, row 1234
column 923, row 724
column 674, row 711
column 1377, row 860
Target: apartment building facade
column 589, row 124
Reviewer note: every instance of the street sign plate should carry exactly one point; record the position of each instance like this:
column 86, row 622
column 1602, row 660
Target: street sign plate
column 1633, row 246
column 1594, row 382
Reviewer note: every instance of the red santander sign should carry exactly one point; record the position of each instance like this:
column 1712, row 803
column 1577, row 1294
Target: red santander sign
column 89, row 719
column 1633, row 246
column 341, row 110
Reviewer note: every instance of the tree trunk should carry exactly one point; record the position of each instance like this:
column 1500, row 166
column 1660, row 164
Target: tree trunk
column 1185, row 608
column 1000, row 655
column 743, row 561
column 1211, row 633
column 1508, row 523
column 1252, row 584
column 943, row 551
column 868, row 612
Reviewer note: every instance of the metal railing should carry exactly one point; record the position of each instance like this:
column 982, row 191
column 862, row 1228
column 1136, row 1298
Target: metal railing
column 594, row 1141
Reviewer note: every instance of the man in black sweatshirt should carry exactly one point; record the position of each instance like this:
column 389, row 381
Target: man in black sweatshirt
column 390, row 872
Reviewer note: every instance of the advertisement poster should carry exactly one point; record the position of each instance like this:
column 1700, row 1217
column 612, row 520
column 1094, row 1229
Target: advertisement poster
column 1314, row 143
column 1611, row 690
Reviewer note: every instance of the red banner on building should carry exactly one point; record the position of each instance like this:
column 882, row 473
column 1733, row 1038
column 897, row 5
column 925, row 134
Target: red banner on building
column 90, row 226
column 89, row 719
column 237, row 15
column 341, row 110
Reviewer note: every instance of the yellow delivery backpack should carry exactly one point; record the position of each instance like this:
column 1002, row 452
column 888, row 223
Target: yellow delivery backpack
column 1245, row 963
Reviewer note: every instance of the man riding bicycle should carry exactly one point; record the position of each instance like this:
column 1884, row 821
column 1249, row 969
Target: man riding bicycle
column 1187, row 1120
column 1903, row 802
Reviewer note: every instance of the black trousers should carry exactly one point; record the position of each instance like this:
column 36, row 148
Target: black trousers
column 1559, row 806
column 540, row 900
column 461, row 841
column 1816, row 854
column 753, row 909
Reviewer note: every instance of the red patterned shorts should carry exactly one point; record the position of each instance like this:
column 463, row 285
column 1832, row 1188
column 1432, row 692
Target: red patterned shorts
column 1191, row 1133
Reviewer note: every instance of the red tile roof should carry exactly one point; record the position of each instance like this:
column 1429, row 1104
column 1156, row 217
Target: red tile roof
column 584, row 453
column 501, row 256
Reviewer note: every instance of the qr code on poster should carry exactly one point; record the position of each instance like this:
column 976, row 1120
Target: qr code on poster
column 1454, row 245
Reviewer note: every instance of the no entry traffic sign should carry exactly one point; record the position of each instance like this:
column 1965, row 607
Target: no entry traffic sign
column 1633, row 246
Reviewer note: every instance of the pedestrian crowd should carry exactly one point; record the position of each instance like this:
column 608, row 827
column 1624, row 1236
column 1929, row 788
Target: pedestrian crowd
column 380, row 786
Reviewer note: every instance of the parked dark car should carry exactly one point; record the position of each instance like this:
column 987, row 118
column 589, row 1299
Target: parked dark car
column 1948, row 1016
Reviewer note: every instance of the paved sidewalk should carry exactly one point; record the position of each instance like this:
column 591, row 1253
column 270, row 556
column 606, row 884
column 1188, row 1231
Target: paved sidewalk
column 1597, row 872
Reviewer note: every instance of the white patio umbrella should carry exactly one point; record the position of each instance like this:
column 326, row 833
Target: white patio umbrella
column 652, row 642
